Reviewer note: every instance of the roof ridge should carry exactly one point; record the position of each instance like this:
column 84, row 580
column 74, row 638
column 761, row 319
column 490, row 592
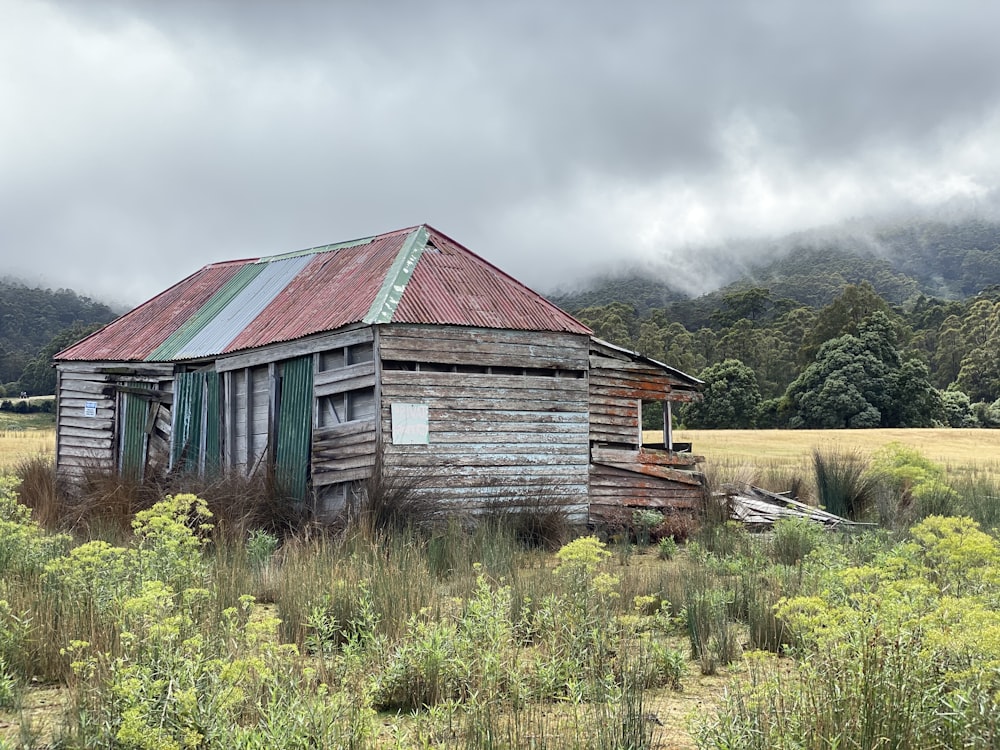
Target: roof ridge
column 507, row 276
column 388, row 296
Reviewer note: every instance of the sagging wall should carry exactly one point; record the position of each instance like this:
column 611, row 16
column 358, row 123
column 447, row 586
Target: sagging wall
column 477, row 416
column 624, row 476
column 112, row 417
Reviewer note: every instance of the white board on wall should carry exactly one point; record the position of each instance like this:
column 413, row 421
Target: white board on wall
column 409, row 424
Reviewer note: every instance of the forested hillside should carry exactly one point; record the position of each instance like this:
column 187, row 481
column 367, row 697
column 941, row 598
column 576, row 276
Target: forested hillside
column 33, row 322
column 898, row 328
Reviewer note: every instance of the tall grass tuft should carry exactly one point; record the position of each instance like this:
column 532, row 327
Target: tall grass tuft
column 843, row 485
column 979, row 498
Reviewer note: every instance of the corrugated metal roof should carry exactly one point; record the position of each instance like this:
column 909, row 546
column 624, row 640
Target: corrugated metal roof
column 242, row 308
column 458, row 287
column 415, row 275
column 137, row 334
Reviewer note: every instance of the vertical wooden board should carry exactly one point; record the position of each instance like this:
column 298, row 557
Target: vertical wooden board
column 258, row 415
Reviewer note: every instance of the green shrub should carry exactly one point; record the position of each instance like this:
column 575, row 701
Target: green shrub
column 666, row 548
column 794, row 538
column 902, row 652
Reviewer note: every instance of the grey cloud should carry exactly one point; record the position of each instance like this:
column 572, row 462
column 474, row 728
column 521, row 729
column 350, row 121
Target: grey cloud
column 158, row 136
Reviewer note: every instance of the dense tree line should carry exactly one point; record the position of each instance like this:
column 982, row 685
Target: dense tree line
column 858, row 361
column 34, row 324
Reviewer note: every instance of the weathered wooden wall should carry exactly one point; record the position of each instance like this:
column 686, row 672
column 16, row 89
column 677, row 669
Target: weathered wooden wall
column 618, row 384
column 615, row 493
column 507, row 413
column 624, row 480
column 344, row 423
column 247, row 416
column 92, row 443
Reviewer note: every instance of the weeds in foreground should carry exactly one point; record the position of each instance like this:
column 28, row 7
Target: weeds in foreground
column 844, row 486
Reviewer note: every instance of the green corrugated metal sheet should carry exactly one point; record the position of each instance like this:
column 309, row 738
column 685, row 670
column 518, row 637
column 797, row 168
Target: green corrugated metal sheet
column 196, row 442
column 387, row 299
column 185, row 440
column 179, row 338
column 295, row 426
column 212, row 427
column 135, row 411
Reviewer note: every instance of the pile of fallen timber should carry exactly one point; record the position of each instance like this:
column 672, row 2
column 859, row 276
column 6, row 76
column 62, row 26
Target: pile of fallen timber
column 759, row 509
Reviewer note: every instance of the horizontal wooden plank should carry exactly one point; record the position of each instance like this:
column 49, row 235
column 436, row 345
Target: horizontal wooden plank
column 71, row 375
column 78, row 402
column 82, row 464
column 355, row 334
column 84, row 389
column 660, row 472
column 484, row 355
column 436, row 456
column 88, row 423
column 132, row 370
column 90, row 453
column 406, row 381
column 485, row 500
column 494, row 405
column 470, row 334
column 645, row 456
column 346, row 428
column 344, row 441
column 338, row 459
column 540, row 438
column 343, row 463
column 66, row 430
column 344, row 373
column 492, row 423
column 347, row 384
column 324, row 477
column 494, row 475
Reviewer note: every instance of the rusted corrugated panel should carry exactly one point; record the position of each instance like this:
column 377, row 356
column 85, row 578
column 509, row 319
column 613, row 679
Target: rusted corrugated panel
column 197, row 322
column 454, row 286
column 232, row 319
column 334, row 290
column 138, row 333
column 323, row 289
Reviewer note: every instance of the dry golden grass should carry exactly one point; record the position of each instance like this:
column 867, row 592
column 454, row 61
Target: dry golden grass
column 18, row 445
column 787, row 453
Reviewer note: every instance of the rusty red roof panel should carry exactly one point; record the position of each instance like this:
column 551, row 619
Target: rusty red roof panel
column 451, row 285
column 334, row 290
column 322, row 289
column 135, row 335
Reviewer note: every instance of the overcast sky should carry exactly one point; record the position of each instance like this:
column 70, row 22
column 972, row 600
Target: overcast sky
column 142, row 139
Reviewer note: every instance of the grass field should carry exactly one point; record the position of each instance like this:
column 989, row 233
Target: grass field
column 19, row 444
column 778, row 453
column 726, row 452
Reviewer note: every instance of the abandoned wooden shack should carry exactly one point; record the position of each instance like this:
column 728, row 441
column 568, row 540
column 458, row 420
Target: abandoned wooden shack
column 405, row 346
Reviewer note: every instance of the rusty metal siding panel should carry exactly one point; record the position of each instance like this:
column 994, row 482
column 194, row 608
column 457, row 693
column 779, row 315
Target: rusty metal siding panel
column 230, row 321
column 135, row 335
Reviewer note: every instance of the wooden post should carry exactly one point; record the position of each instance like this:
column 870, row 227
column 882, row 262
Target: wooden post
column 668, row 427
